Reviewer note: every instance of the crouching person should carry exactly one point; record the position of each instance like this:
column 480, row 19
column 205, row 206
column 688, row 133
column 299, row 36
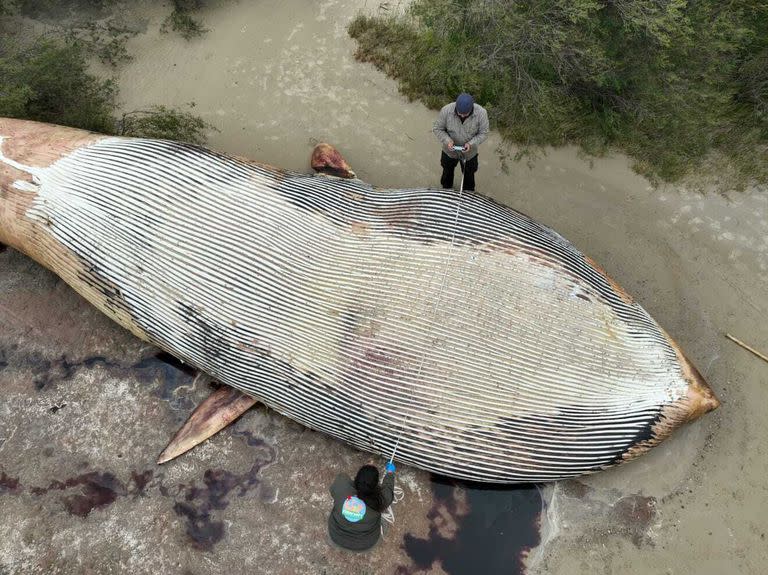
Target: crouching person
column 355, row 521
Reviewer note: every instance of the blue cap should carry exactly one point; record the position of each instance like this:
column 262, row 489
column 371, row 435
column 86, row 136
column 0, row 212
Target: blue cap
column 464, row 104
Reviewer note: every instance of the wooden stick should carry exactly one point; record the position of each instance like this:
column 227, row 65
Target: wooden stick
column 745, row 346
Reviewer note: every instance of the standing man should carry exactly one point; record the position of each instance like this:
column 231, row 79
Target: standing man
column 461, row 123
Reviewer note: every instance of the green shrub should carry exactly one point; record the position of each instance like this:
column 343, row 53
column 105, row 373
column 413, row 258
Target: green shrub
column 181, row 21
column 49, row 82
column 164, row 123
column 47, row 78
column 57, row 8
column 105, row 40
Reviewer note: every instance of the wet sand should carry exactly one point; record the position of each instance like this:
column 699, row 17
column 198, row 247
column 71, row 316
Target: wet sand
column 274, row 78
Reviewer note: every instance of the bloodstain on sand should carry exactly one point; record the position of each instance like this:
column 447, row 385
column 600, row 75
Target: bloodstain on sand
column 476, row 528
column 160, row 368
column 97, row 490
column 140, row 482
column 9, row 484
column 197, row 504
column 633, row 516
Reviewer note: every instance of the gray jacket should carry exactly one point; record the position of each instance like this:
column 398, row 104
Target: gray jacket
column 449, row 126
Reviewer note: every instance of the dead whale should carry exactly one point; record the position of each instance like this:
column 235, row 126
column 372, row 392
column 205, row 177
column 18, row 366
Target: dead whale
column 482, row 344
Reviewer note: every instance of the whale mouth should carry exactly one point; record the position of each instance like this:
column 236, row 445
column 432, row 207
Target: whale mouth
column 337, row 172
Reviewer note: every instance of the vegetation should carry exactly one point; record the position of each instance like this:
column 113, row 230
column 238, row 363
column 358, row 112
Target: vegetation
column 105, row 40
column 57, row 8
column 676, row 84
column 181, row 20
column 164, row 123
column 48, row 79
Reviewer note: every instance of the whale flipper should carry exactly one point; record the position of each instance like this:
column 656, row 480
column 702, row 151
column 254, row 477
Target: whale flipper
column 220, row 409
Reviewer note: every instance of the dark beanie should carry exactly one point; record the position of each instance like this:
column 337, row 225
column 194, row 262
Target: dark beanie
column 464, row 104
column 367, row 479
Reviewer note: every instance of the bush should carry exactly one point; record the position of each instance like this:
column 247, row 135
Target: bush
column 164, row 123
column 182, row 22
column 57, row 8
column 105, row 40
column 47, row 79
column 49, row 82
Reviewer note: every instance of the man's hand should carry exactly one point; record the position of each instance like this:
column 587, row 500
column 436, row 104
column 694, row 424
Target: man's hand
column 467, row 146
column 449, row 144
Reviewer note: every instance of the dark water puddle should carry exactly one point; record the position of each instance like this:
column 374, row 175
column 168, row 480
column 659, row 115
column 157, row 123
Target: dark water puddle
column 47, row 372
column 253, row 441
column 476, row 528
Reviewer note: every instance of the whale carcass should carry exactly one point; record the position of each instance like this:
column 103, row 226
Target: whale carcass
column 482, row 344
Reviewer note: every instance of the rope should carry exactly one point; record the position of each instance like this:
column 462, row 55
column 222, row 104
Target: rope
column 388, row 514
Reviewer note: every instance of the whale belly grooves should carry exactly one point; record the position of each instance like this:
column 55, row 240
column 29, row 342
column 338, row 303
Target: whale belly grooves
column 494, row 349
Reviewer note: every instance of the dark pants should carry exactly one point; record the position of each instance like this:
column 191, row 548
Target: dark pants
column 449, row 165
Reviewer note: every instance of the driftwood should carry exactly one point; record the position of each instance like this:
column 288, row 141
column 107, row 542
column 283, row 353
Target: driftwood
column 745, row 346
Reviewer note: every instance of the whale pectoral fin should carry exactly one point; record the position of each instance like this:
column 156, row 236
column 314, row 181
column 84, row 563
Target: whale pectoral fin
column 220, row 409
